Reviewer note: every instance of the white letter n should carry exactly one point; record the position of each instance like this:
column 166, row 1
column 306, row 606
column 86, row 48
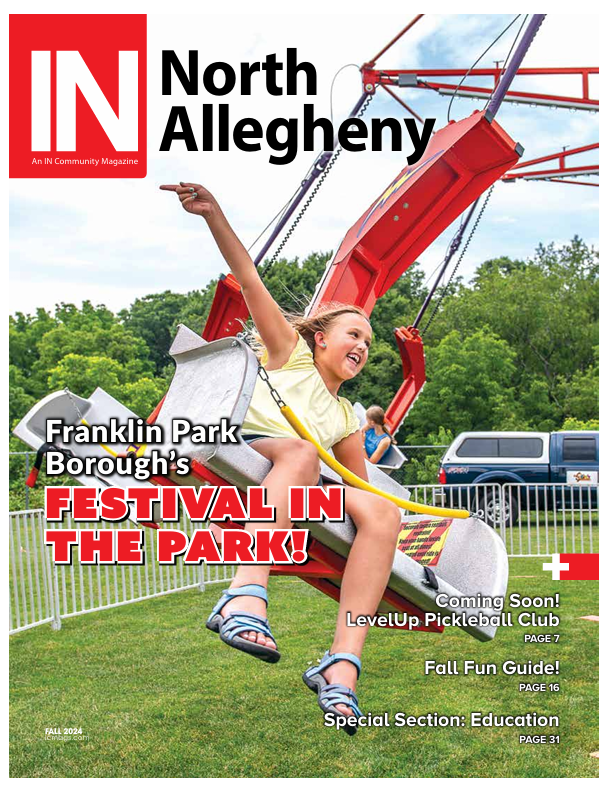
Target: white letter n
column 121, row 129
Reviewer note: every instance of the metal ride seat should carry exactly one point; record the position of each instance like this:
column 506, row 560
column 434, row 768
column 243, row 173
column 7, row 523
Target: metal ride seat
column 459, row 557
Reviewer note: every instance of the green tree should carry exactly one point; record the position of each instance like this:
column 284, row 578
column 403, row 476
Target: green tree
column 579, row 395
column 19, row 401
column 25, row 334
column 82, row 375
column 571, row 424
column 84, row 317
column 400, row 305
column 292, row 283
column 515, row 348
column 422, row 466
column 98, row 341
column 195, row 309
column 469, row 387
column 546, row 310
column 143, row 396
column 540, row 411
column 153, row 319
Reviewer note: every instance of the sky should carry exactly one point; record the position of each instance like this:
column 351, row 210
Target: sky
column 111, row 241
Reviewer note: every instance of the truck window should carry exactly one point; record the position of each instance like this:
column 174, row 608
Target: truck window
column 525, row 447
column 479, row 448
column 579, row 449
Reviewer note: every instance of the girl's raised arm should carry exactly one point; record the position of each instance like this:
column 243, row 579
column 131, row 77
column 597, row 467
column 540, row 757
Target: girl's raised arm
column 278, row 336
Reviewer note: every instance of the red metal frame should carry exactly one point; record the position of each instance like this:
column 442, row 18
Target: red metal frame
column 412, row 353
column 228, row 310
column 567, row 181
column 561, row 174
column 424, row 79
column 461, row 161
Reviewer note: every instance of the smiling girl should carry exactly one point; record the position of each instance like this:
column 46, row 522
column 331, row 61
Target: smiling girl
column 307, row 360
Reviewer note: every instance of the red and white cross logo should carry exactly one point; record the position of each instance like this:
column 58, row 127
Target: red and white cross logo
column 556, row 566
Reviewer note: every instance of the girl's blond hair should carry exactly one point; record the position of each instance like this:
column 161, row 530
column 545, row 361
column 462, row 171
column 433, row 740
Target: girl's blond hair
column 307, row 326
column 322, row 319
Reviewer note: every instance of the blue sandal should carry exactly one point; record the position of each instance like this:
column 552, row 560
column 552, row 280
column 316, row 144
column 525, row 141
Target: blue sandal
column 331, row 694
column 236, row 623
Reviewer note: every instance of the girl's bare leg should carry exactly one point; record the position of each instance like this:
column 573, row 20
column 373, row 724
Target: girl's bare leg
column 370, row 558
column 295, row 462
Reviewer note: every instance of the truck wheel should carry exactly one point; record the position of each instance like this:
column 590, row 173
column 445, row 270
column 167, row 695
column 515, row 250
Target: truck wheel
column 498, row 510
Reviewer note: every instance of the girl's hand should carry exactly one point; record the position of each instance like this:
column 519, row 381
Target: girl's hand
column 277, row 334
column 194, row 198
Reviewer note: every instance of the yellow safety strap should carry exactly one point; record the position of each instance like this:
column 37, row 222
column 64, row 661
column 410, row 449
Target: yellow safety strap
column 139, row 450
column 347, row 475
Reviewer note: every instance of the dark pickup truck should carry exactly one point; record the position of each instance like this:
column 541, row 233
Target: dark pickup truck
column 568, row 460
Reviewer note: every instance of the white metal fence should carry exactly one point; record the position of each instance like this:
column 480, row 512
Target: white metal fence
column 539, row 520
column 32, row 585
column 533, row 521
column 42, row 592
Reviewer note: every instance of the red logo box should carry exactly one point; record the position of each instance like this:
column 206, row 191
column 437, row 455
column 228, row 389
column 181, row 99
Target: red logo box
column 77, row 96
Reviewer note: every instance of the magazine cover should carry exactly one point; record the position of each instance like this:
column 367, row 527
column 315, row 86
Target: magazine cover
column 304, row 364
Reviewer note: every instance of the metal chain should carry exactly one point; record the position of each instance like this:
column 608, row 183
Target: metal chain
column 274, row 394
column 262, row 371
column 72, row 400
column 458, row 263
column 309, row 200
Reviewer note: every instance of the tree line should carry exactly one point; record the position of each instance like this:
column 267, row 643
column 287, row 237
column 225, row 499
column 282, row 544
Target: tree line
column 515, row 348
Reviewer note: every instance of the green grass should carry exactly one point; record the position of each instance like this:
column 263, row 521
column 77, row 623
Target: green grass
column 563, row 536
column 159, row 696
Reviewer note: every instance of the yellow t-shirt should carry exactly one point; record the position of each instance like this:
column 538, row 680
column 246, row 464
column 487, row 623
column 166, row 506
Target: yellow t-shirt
column 298, row 382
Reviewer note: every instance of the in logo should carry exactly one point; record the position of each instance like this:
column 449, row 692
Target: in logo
column 77, row 95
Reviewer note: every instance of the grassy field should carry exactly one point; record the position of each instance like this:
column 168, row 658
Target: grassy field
column 542, row 534
column 159, row 696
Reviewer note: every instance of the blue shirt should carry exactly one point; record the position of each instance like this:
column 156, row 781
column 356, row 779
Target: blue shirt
column 372, row 441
